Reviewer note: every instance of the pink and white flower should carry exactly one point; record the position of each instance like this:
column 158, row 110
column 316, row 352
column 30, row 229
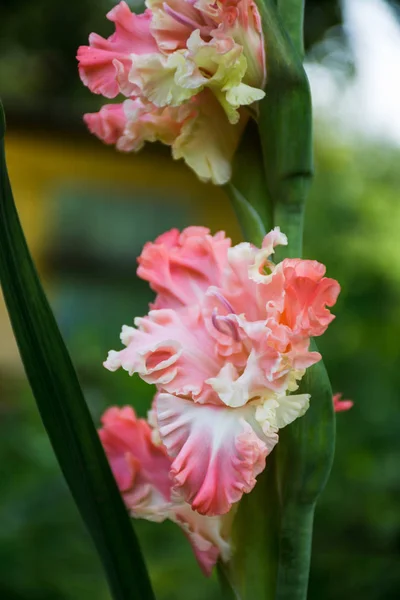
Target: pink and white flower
column 188, row 69
column 142, row 472
column 226, row 344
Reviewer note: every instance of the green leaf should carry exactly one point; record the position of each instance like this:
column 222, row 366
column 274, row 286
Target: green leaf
column 62, row 406
column 249, row 220
column 247, row 189
column 228, row 591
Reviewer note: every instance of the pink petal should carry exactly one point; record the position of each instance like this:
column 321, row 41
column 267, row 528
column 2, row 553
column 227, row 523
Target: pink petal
column 249, row 295
column 209, row 536
column 340, row 405
column 237, row 288
column 173, row 22
column 171, row 350
column 140, row 468
column 236, row 389
column 181, row 266
column 307, row 296
column 223, row 327
column 108, row 124
column 217, row 454
column 207, row 558
column 104, row 64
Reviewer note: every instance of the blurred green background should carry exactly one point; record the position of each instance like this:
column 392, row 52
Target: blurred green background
column 87, row 211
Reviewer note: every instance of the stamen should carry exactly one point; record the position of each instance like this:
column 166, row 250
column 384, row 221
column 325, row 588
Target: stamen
column 184, row 20
column 222, row 299
column 219, row 322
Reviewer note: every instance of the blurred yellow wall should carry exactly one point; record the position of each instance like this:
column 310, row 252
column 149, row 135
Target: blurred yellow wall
column 38, row 163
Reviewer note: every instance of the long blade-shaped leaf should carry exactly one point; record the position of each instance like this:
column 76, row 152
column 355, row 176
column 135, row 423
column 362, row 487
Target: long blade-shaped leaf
column 63, row 408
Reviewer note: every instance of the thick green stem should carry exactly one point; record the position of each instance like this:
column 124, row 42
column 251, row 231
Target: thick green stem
column 304, row 455
column 290, row 214
column 290, row 219
column 255, row 562
column 274, row 524
column 286, row 126
column 295, row 551
column 304, row 459
column 292, row 15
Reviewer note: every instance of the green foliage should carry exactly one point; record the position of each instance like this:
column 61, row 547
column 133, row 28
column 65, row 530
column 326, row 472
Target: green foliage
column 62, row 406
column 351, row 226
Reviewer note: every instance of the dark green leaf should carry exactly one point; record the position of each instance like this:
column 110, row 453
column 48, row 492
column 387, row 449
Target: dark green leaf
column 228, row 591
column 63, row 408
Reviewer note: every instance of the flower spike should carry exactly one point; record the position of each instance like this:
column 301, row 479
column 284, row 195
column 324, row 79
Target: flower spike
column 188, row 69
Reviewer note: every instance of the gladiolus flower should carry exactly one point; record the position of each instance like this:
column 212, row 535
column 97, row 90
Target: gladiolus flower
column 188, row 68
column 141, row 469
column 226, row 343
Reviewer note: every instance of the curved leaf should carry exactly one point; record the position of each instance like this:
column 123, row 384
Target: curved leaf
column 247, row 189
column 228, row 591
column 62, row 406
column 249, row 220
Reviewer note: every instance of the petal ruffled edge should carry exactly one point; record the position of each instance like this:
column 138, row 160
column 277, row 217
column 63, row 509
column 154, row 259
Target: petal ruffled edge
column 217, row 453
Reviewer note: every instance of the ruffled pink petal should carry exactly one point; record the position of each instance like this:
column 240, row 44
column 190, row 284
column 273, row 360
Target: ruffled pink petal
column 307, row 295
column 206, row 558
column 237, row 287
column 130, row 124
column 104, row 64
column 209, row 536
column 340, row 405
column 256, row 298
column 181, row 266
column 148, row 123
column 140, row 467
column 217, row 454
column 173, row 22
column 223, row 327
column 170, row 350
column 108, row 124
column 241, row 20
column 277, row 354
column 262, row 372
